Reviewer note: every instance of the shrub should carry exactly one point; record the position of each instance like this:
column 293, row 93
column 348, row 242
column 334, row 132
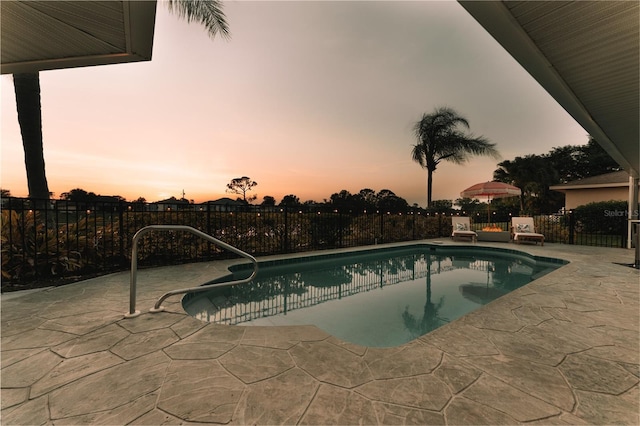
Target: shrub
column 606, row 217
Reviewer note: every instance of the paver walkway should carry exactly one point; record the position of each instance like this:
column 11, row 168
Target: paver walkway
column 561, row 350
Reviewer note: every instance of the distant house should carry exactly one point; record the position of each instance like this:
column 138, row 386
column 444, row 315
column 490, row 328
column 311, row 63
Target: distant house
column 168, row 205
column 222, row 205
column 607, row 187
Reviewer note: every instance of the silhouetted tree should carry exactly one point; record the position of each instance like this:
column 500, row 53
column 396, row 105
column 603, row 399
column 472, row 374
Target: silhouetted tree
column 388, row 201
column 241, row 186
column 290, row 201
column 440, row 137
column 79, row 195
column 268, row 200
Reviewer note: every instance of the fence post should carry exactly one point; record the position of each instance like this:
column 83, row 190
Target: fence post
column 340, row 228
column 121, row 234
column 572, row 226
column 413, row 217
column 285, row 241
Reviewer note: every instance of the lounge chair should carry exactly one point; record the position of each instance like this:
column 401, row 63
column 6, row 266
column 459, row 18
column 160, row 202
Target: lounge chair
column 462, row 229
column 523, row 229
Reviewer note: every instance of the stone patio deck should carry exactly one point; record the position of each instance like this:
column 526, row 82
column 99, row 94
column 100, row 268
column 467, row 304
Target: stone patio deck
column 564, row 349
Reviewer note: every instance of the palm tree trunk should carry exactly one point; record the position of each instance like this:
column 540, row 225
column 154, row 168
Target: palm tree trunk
column 429, row 186
column 27, row 88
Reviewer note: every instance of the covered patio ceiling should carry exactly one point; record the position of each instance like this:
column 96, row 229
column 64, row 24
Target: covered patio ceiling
column 585, row 54
column 46, row 35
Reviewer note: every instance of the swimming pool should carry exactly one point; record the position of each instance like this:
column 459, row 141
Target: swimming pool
column 378, row 297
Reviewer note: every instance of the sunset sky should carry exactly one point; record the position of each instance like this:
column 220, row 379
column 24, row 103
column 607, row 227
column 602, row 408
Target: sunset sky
column 305, row 98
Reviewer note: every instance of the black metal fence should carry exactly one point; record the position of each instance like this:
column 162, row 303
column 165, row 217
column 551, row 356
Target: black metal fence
column 61, row 240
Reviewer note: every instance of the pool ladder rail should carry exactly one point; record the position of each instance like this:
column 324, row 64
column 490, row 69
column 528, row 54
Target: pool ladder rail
column 158, row 306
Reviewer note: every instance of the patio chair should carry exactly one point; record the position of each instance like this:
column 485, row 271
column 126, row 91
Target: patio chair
column 462, row 229
column 523, row 229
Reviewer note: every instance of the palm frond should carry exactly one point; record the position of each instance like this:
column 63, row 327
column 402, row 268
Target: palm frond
column 207, row 12
column 418, row 154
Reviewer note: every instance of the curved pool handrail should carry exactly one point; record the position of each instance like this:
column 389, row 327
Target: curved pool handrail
column 134, row 266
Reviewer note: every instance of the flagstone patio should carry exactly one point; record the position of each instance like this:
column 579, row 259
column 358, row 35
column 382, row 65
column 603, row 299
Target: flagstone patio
column 564, row 349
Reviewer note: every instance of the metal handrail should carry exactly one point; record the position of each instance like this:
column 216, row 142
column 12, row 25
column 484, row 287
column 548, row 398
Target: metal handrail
column 134, row 266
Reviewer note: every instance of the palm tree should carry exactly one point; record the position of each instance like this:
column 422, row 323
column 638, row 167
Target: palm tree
column 440, row 138
column 27, row 88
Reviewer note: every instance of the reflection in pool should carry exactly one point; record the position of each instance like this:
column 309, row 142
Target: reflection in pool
column 383, row 297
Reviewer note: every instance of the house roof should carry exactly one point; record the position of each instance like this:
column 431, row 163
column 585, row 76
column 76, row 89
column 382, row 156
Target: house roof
column 226, row 201
column 586, row 54
column 45, row 35
column 607, row 180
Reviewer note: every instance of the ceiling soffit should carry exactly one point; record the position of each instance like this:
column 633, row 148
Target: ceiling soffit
column 585, row 54
column 43, row 35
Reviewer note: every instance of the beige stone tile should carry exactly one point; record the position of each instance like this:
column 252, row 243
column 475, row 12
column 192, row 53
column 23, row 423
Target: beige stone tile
column 138, row 344
column 531, row 315
column 426, row 392
column 538, row 380
column 95, row 341
column 627, row 338
column 157, row 417
column 193, row 350
column 149, row 321
column 218, row 333
column 281, row 337
column 456, row 373
column 598, row 408
column 493, row 393
column 352, row 347
column 32, row 412
column 35, row 339
column 460, row 340
column 588, row 373
column 120, row 385
column 407, row 360
column 331, row 364
column 463, row 411
column 187, row 326
column 252, row 363
column 72, row 369
column 200, row 391
column 281, row 400
column 29, row 370
column 19, row 325
column 124, row 414
column 389, row 414
column 83, row 323
column 566, row 419
column 534, row 344
column 13, row 396
column 11, row 357
column 337, row 406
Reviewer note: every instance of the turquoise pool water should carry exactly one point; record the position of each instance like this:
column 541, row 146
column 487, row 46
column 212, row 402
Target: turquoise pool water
column 380, row 298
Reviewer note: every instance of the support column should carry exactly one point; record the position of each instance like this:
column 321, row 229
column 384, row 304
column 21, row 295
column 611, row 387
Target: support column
column 633, row 213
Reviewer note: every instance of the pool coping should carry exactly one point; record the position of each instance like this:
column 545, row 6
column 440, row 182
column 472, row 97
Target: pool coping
column 562, row 349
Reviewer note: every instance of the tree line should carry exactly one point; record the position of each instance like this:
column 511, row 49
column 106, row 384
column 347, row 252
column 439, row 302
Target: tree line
column 533, row 174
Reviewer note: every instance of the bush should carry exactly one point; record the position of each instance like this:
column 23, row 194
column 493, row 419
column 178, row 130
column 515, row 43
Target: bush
column 606, row 217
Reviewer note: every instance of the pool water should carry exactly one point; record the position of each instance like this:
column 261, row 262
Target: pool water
column 379, row 298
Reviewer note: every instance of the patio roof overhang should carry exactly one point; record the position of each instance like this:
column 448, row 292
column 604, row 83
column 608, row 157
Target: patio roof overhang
column 47, row 35
column 585, row 54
